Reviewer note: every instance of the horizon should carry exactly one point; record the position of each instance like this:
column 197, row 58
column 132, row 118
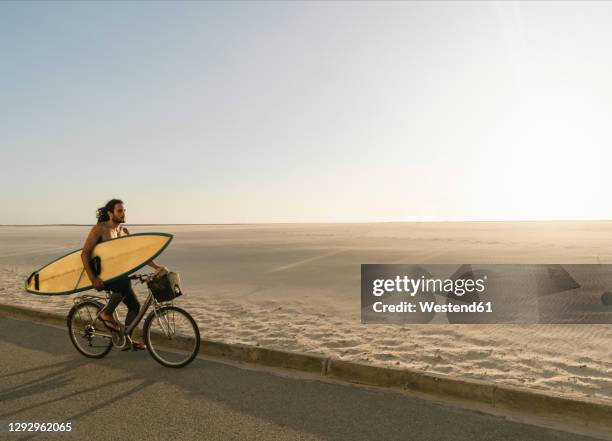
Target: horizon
column 312, row 223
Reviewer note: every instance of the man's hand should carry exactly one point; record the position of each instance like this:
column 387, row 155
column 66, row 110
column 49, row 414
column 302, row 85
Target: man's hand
column 98, row 284
column 161, row 270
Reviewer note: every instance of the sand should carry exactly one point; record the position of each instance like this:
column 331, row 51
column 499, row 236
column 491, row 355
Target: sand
column 296, row 287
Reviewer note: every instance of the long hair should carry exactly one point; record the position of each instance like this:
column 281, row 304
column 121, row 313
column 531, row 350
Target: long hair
column 102, row 212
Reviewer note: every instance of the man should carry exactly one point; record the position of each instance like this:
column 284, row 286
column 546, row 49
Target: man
column 110, row 218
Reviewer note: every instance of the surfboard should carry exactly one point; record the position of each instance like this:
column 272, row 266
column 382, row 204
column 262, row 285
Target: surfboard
column 111, row 260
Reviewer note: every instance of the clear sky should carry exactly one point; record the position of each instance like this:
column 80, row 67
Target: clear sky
column 205, row 112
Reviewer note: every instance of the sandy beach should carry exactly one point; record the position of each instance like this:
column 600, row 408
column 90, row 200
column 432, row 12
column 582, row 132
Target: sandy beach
column 296, row 287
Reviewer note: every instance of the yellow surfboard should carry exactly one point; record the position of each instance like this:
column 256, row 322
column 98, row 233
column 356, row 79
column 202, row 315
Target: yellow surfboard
column 112, row 260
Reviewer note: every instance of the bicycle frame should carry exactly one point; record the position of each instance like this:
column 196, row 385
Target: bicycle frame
column 126, row 332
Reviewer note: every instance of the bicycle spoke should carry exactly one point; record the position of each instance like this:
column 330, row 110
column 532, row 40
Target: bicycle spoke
column 83, row 331
column 172, row 337
column 165, row 318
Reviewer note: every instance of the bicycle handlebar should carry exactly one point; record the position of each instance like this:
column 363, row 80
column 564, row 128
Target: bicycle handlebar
column 142, row 278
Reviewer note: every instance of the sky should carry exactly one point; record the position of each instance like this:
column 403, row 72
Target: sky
column 240, row 112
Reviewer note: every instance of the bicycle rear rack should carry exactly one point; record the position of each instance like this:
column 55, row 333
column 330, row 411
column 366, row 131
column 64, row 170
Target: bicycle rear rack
column 90, row 297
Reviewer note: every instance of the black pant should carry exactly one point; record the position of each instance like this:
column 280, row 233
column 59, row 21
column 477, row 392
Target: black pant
column 122, row 291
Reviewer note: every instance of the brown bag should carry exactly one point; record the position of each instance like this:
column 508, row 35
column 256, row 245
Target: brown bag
column 165, row 286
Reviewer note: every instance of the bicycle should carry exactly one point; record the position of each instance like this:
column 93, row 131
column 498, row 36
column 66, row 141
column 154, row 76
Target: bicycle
column 171, row 335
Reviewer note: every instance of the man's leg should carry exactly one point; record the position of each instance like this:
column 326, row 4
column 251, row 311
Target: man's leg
column 132, row 303
column 113, row 302
column 118, row 290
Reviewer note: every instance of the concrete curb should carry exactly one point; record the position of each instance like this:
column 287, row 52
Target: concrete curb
column 269, row 357
column 590, row 414
column 21, row 313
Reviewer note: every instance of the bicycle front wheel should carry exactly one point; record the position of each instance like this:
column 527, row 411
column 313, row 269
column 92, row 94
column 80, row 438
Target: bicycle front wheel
column 172, row 336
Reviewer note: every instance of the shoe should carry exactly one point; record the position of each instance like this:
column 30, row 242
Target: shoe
column 135, row 346
column 106, row 322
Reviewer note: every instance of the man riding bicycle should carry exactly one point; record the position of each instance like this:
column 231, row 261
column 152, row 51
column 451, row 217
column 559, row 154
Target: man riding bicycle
column 110, row 217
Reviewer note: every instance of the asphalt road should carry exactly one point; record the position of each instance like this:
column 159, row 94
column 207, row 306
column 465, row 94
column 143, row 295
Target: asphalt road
column 128, row 396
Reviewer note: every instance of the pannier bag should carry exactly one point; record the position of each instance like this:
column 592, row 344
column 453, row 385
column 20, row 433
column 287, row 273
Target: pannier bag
column 166, row 286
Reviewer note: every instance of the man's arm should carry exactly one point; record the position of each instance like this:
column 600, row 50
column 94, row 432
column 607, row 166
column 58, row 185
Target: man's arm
column 154, row 265
column 90, row 243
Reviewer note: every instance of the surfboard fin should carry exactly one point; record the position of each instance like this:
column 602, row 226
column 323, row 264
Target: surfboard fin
column 29, row 280
column 96, row 265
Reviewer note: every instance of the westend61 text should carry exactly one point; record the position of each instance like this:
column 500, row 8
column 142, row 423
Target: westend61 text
column 432, row 307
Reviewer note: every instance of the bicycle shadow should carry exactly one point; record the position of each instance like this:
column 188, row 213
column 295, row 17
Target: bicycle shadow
column 41, row 384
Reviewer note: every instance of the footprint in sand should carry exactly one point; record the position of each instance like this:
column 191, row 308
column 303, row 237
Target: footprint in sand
column 385, row 356
column 343, row 344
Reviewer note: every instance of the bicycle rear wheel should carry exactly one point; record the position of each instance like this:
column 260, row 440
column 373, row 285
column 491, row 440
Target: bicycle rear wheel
column 87, row 333
column 172, row 336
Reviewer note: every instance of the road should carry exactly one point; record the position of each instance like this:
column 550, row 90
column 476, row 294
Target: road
column 128, row 396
